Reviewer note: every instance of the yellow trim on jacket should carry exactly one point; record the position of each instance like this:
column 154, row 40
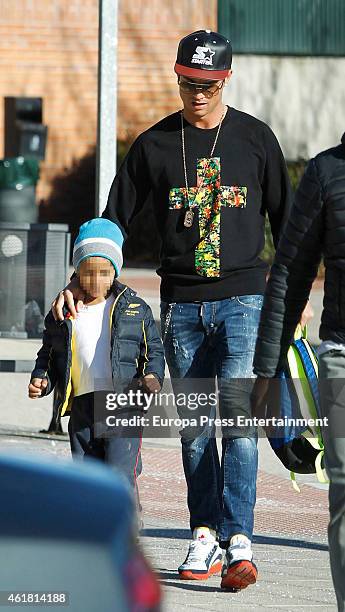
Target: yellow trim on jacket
column 145, row 342
column 68, row 397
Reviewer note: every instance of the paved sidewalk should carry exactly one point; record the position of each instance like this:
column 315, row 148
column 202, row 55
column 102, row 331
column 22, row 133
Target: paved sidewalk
column 292, row 575
column 290, row 543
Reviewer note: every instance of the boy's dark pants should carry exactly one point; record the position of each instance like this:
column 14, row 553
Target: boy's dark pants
column 114, row 448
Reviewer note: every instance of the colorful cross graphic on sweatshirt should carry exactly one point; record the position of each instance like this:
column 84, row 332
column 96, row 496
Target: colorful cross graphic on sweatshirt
column 208, row 200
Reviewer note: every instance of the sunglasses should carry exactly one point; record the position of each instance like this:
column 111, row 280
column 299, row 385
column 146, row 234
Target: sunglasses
column 208, row 89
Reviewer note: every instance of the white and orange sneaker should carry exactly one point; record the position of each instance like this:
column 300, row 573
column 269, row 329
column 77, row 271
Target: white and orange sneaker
column 238, row 570
column 204, row 556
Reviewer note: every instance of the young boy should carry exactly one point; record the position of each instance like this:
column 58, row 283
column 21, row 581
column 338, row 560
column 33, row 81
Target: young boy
column 112, row 345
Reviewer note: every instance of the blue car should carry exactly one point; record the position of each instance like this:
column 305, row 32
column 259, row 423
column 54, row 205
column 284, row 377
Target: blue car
column 68, row 539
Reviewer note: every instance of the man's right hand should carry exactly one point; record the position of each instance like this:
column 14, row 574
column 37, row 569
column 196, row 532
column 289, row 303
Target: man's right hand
column 259, row 397
column 72, row 296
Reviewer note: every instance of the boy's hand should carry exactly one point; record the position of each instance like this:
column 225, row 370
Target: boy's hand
column 150, row 384
column 37, row 387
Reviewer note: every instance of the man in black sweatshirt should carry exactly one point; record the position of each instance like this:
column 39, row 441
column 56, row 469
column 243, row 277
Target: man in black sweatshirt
column 213, row 173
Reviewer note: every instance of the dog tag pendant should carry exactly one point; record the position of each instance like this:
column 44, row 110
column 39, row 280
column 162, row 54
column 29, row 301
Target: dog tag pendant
column 188, row 218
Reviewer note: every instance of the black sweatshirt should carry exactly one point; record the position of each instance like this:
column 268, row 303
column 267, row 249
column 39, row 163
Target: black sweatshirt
column 218, row 257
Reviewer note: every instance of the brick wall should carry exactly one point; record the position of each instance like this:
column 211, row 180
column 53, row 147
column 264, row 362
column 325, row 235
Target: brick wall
column 48, row 48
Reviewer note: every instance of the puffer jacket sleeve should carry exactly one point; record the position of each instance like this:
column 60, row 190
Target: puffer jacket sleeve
column 292, row 274
column 152, row 352
column 43, row 366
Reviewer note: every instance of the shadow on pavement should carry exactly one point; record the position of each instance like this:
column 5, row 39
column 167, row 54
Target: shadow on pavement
column 162, row 532
column 184, row 534
column 166, row 577
column 276, row 541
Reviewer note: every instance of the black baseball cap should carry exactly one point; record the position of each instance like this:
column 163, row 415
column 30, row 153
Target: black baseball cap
column 204, row 55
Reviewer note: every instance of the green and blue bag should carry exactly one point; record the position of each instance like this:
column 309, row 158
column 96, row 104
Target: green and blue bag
column 298, row 445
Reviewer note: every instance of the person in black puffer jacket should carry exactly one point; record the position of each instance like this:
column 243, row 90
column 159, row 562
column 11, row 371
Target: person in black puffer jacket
column 316, row 228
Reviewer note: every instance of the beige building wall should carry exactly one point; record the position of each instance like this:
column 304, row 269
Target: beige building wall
column 301, row 98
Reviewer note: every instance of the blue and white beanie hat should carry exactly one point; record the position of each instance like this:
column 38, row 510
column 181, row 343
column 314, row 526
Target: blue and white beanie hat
column 99, row 238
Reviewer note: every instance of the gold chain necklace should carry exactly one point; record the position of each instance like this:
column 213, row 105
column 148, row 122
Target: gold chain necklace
column 189, row 215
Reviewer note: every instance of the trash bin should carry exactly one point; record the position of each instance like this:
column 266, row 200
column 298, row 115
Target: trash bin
column 34, row 264
column 18, row 178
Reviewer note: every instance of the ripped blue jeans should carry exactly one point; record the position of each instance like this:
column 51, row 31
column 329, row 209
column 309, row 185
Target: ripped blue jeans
column 205, row 342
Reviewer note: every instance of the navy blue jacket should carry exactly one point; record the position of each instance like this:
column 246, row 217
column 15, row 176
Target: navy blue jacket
column 136, row 347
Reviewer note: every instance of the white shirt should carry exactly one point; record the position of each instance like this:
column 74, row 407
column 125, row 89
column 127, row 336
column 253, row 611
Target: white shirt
column 91, row 361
